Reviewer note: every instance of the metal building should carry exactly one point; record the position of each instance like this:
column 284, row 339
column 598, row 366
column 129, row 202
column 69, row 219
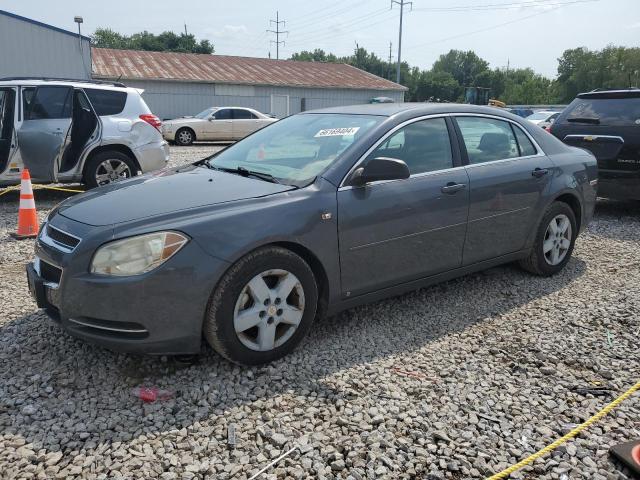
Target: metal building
column 178, row 84
column 32, row 48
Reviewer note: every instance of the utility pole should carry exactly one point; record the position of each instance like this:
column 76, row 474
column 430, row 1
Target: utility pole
column 278, row 32
column 185, row 29
column 389, row 72
column 402, row 3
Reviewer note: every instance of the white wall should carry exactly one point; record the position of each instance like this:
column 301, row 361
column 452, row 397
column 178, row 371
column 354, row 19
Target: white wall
column 173, row 99
column 27, row 49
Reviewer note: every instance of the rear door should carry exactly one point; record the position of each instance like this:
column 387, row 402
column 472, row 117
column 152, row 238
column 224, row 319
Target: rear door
column 507, row 177
column 41, row 136
column 85, row 131
column 244, row 123
column 393, row 232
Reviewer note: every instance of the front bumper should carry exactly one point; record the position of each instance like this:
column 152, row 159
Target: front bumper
column 160, row 312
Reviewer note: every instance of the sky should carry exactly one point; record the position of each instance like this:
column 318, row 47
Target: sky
column 518, row 33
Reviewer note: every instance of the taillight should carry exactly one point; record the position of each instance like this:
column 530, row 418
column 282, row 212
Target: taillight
column 152, row 120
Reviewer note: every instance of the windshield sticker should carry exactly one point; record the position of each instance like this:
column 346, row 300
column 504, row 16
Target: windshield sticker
column 337, row 132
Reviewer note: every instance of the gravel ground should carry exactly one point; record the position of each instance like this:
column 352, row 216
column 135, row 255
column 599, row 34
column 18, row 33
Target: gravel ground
column 459, row 380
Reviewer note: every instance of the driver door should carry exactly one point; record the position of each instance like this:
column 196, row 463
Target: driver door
column 396, row 231
column 220, row 125
column 44, row 129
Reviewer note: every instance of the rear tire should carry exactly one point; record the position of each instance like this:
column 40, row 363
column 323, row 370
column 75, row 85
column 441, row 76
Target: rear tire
column 555, row 239
column 262, row 308
column 107, row 167
column 185, row 137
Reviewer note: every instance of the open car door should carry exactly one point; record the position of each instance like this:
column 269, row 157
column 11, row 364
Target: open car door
column 84, row 131
column 47, row 121
column 8, row 142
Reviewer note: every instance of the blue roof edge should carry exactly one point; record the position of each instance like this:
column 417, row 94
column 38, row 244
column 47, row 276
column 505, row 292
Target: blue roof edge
column 41, row 24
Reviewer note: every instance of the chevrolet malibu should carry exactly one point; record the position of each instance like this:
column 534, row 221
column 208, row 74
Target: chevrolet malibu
column 314, row 214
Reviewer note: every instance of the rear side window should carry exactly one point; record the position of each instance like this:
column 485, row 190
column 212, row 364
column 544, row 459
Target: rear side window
column 487, row 139
column 603, row 111
column 424, row 146
column 50, row 103
column 106, row 102
column 240, row 114
column 526, row 147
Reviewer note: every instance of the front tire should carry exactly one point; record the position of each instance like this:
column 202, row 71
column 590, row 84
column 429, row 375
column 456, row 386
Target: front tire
column 185, row 137
column 108, row 167
column 555, row 239
column 262, row 308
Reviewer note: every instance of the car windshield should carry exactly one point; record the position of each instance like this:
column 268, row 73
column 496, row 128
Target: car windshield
column 206, row 113
column 540, row 116
column 296, row 149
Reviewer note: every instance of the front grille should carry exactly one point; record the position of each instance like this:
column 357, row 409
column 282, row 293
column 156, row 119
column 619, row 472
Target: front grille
column 50, row 273
column 63, row 239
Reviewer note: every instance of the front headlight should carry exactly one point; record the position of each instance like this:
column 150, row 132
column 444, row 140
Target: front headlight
column 137, row 255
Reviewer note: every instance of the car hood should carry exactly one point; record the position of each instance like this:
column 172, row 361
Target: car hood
column 163, row 192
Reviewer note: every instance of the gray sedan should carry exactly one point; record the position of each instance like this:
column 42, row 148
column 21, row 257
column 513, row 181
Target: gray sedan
column 314, row 214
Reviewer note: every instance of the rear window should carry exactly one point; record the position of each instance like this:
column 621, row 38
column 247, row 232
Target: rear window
column 603, row 111
column 106, row 102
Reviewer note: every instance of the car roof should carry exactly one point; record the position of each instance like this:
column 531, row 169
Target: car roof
column 633, row 92
column 417, row 109
column 36, row 82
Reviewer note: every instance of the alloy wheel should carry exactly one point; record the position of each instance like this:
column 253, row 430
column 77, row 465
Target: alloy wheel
column 557, row 239
column 112, row 170
column 184, row 137
column 268, row 310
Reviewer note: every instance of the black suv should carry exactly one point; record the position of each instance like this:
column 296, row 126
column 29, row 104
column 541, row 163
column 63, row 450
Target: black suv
column 607, row 123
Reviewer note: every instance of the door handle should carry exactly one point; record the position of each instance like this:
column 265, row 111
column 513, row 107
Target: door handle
column 453, row 187
column 539, row 172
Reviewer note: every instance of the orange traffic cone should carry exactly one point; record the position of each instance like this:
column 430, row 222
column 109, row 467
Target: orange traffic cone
column 27, row 216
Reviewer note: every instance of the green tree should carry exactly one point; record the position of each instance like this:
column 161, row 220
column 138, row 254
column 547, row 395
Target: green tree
column 164, row 42
column 463, row 66
column 318, row 55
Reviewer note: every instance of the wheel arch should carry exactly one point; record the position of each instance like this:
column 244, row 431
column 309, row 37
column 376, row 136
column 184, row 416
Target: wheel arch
column 566, row 196
column 116, row 147
column 186, row 127
column 318, row 269
column 573, row 201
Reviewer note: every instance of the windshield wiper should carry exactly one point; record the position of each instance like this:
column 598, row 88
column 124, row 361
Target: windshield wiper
column 593, row 120
column 245, row 172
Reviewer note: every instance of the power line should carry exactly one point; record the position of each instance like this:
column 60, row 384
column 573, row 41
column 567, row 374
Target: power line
column 322, row 31
column 503, row 6
column 277, row 31
column 493, row 27
column 402, row 3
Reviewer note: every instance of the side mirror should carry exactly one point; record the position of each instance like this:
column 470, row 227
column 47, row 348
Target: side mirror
column 380, row 168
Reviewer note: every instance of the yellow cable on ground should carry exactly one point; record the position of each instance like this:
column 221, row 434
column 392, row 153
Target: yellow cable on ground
column 505, row 473
column 60, row 189
column 41, row 187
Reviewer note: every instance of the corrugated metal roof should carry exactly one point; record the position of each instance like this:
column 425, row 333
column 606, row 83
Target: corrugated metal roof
column 191, row 67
